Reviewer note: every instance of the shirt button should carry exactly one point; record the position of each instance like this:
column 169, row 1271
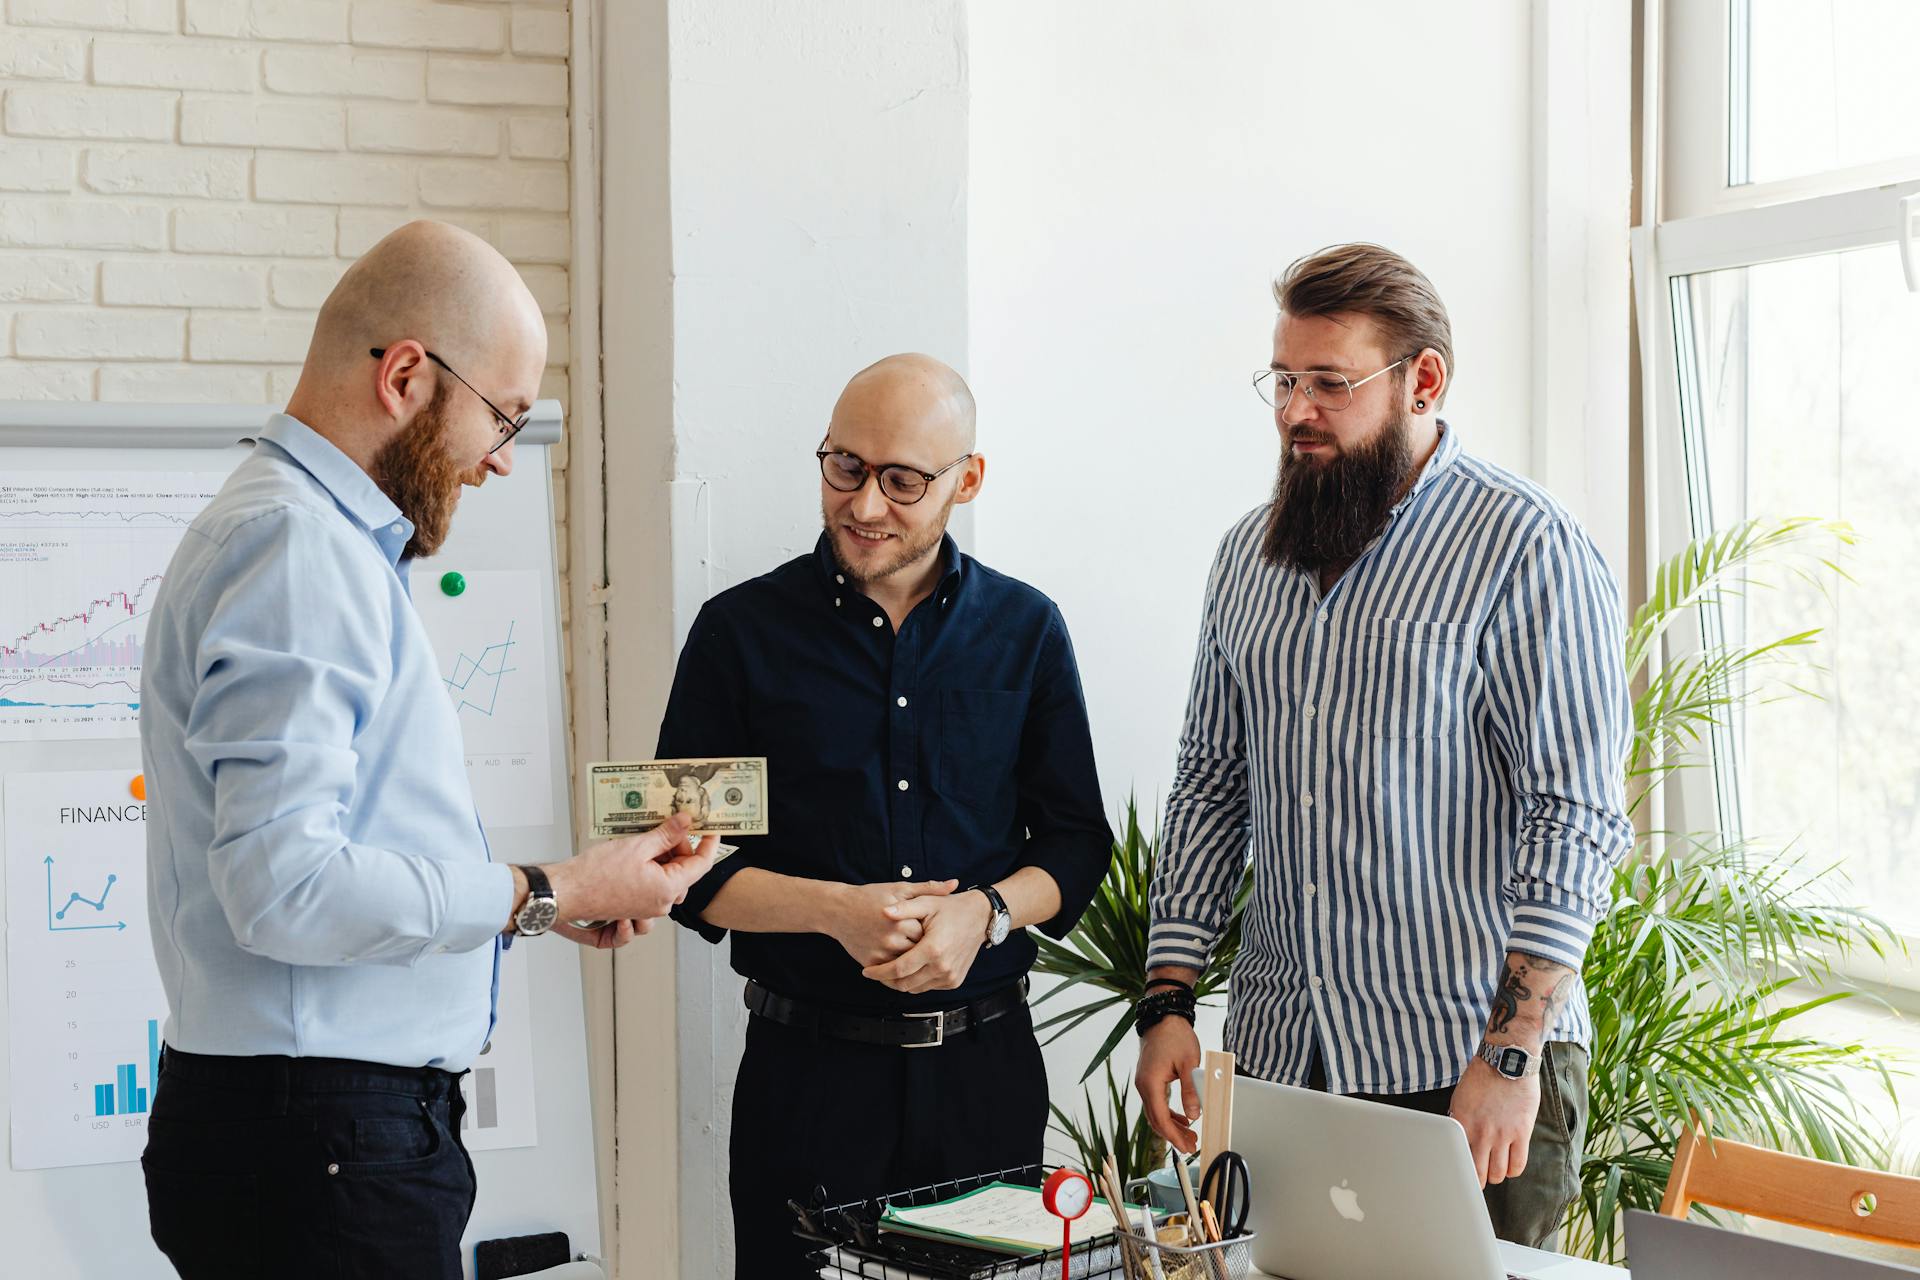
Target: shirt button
column 879, row 622
column 1315, row 982
column 903, row 784
column 1307, row 800
column 1310, row 712
column 840, row 578
column 836, row 602
column 332, row 1169
column 1310, row 889
column 903, row 702
column 906, row 873
column 1320, row 617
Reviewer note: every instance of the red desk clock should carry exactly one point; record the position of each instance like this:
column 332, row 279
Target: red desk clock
column 1067, row 1195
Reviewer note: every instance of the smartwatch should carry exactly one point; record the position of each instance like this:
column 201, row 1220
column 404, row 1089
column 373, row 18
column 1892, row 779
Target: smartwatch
column 537, row 914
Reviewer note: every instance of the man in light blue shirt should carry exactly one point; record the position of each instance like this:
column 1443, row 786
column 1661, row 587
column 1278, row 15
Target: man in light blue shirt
column 326, row 916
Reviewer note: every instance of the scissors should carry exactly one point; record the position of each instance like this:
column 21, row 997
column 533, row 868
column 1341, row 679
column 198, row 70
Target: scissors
column 1228, row 1187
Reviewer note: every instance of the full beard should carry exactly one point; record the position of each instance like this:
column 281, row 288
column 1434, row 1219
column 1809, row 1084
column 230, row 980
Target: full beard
column 910, row 549
column 416, row 470
column 1324, row 514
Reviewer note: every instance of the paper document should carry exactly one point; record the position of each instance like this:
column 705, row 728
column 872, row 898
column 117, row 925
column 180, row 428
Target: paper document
column 1001, row 1216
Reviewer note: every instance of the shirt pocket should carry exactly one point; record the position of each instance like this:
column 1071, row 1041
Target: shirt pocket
column 980, row 746
column 1416, row 677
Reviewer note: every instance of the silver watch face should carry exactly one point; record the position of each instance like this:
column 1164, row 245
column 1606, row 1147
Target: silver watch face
column 536, row 916
column 998, row 928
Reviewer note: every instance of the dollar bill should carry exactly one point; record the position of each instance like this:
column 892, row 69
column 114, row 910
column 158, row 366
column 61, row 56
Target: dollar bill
column 722, row 797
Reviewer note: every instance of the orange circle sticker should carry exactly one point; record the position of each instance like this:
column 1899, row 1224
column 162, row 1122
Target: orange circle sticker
column 138, row 786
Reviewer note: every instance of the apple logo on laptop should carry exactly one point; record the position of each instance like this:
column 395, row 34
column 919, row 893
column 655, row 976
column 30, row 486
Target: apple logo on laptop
column 1346, row 1202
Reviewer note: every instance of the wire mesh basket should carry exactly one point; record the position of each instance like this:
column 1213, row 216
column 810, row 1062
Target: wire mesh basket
column 851, row 1245
column 1227, row 1260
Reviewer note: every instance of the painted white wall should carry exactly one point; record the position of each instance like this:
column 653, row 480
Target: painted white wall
column 1136, row 182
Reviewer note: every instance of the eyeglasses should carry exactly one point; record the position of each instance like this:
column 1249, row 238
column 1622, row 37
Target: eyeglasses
column 900, row 483
column 1328, row 390
column 509, row 427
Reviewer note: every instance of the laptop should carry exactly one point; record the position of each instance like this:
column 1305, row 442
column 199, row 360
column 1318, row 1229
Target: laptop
column 1660, row 1248
column 1350, row 1190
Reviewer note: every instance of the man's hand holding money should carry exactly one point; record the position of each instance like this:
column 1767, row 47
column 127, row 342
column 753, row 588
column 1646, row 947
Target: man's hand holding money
column 628, row 881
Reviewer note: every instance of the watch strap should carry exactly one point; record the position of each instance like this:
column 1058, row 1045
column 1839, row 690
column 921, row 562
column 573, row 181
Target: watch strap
column 998, row 905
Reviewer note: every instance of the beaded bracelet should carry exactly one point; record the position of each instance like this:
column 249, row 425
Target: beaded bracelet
column 1161, row 1005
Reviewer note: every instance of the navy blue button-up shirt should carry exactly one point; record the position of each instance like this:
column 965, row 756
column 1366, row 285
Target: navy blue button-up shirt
column 955, row 749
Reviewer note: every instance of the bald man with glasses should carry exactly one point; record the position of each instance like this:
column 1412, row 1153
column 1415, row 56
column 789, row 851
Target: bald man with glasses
column 933, row 796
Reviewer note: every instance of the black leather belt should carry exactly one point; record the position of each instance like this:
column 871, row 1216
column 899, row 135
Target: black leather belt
column 901, row 1031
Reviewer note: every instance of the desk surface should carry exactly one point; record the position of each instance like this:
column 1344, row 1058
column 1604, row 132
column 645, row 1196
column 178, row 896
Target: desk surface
column 1523, row 1261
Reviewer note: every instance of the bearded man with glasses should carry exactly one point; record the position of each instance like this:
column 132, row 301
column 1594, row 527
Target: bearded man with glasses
column 933, row 795
column 327, row 919
column 1409, row 707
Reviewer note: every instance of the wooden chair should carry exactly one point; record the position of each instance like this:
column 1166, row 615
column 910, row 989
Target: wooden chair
column 1863, row 1203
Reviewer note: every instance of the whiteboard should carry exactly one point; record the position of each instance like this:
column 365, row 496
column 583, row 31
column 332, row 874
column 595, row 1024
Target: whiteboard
column 89, row 1221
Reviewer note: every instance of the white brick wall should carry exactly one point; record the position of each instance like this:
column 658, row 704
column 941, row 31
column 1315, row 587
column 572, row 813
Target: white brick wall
column 183, row 181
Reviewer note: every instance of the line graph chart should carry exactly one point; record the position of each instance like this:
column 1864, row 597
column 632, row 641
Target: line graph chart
column 81, row 558
column 488, row 643
column 475, row 679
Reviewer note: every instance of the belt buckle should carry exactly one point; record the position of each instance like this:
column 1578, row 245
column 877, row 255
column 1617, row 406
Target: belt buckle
column 939, row 1019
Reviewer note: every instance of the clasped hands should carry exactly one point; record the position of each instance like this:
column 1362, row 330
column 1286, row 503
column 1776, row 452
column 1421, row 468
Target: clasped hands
column 911, row 936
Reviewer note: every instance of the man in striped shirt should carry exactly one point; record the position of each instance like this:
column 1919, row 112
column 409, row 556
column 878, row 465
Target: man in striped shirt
column 1409, row 700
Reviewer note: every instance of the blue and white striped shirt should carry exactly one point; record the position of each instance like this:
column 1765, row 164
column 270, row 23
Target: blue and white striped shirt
column 1428, row 764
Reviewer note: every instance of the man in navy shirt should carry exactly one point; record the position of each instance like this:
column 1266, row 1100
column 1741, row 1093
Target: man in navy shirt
column 933, row 795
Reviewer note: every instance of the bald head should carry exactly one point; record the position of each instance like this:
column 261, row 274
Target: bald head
column 445, row 287
column 913, row 397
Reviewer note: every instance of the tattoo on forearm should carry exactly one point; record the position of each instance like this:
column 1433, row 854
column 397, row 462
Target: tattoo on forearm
column 1543, row 987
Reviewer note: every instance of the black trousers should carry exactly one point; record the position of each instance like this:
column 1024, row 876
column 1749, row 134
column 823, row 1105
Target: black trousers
column 306, row 1167
column 863, row 1120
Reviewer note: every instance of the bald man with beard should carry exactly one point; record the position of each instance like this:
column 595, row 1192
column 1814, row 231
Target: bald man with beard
column 933, row 795
column 326, row 917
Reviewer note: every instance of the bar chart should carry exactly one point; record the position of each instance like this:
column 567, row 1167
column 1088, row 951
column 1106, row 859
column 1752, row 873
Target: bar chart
column 126, row 1096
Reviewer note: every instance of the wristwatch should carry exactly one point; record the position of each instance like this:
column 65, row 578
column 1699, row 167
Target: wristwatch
column 1510, row 1060
column 1001, row 923
column 537, row 914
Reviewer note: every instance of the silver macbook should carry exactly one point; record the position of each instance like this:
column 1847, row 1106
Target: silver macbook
column 1352, row 1190
column 1660, row 1248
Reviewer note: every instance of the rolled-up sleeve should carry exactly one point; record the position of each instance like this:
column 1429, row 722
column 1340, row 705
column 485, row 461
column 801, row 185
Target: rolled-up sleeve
column 292, row 658
column 705, row 717
column 1562, row 721
column 1060, row 807
column 1209, row 819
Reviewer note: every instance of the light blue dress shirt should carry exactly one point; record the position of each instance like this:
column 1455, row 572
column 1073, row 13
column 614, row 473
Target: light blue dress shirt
column 317, row 878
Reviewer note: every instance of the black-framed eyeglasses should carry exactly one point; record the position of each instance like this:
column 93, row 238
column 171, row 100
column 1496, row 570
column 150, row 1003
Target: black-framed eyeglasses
column 509, row 427
column 899, row 482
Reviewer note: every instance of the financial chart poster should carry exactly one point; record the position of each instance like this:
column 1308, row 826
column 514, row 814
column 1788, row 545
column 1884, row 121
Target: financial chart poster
column 86, row 1005
column 82, row 556
column 489, row 635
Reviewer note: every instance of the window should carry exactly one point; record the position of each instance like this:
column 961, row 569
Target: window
column 1780, row 339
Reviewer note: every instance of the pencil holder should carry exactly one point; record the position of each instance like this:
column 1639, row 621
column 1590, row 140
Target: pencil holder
column 1226, row 1260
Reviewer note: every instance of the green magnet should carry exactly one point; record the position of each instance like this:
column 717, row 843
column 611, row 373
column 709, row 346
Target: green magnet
column 452, row 583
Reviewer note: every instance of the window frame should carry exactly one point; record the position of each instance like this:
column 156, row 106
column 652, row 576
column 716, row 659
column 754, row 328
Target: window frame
column 1693, row 220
